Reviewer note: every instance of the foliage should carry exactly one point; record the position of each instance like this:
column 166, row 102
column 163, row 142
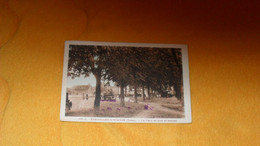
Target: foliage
column 155, row 68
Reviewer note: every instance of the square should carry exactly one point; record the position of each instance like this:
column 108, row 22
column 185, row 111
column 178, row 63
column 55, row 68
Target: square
column 125, row 83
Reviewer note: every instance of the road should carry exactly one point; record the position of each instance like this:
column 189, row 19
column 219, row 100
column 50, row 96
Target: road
column 156, row 110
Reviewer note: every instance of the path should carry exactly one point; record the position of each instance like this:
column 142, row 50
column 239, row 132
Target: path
column 156, row 110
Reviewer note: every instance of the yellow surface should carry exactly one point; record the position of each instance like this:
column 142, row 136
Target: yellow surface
column 223, row 40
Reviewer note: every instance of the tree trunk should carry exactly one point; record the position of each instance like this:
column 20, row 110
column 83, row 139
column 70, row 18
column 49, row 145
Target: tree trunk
column 122, row 98
column 135, row 88
column 152, row 93
column 98, row 92
column 148, row 92
column 143, row 93
column 182, row 94
column 177, row 88
column 125, row 91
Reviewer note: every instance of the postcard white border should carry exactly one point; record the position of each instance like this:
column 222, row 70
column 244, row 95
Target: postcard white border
column 186, row 86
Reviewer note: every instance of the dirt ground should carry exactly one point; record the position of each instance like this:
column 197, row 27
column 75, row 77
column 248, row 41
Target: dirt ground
column 150, row 108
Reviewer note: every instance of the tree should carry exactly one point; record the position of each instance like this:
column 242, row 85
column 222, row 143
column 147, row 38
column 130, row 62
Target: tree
column 153, row 68
column 125, row 66
column 176, row 53
column 156, row 69
column 170, row 69
column 84, row 60
column 136, row 68
column 117, row 68
column 162, row 68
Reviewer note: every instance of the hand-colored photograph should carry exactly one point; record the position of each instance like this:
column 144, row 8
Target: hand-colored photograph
column 125, row 82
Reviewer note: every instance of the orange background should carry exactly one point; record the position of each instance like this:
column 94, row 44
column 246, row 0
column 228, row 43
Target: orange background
column 223, row 40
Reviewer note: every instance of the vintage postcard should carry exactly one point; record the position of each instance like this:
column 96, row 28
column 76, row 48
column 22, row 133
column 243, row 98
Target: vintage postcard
column 125, row 83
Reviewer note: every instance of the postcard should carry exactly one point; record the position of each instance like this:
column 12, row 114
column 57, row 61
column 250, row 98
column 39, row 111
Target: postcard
column 125, row 83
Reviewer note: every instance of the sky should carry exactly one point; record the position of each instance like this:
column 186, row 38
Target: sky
column 83, row 81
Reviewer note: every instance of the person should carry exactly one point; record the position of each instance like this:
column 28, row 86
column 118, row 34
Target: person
column 68, row 102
